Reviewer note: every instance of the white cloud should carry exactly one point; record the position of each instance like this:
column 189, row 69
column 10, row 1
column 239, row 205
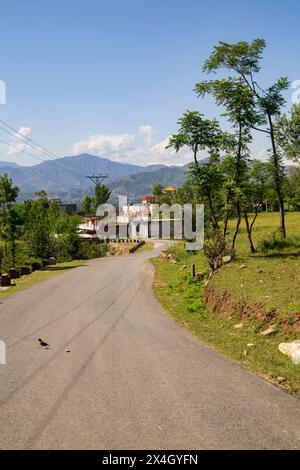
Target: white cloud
column 148, row 132
column 104, row 144
column 123, row 148
column 20, row 145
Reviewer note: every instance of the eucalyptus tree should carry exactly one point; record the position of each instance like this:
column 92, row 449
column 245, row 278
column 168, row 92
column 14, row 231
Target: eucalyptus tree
column 199, row 134
column 244, row 58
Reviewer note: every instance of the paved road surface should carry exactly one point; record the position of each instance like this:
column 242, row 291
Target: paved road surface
column 133, row 378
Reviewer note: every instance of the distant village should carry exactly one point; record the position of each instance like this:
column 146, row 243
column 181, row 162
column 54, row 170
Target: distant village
column 138, row 216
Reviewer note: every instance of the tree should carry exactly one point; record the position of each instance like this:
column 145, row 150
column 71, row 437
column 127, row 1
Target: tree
column 199, row 134
column 39, row 227
column 102, row 195
column 87, row 203
column 243, row 58
column 238, row 100
column 158, row 189
column 288, row 134
column 292, row 188
column 253, row 194
column 8, row 196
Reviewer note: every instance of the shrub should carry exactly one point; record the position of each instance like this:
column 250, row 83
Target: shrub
column 214, row 248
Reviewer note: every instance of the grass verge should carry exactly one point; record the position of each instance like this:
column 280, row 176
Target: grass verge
column 182, row 297
column 27, row 281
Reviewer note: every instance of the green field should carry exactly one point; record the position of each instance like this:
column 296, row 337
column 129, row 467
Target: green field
column 257, row 291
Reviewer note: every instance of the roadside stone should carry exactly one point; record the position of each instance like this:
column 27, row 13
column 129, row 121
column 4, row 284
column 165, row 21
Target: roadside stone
column 238, row 326
column 280, row 379
column 268, row 331
column 5, row 280
column 291, row 350
column 25, row 270
column 14, row 273
column 226, row 259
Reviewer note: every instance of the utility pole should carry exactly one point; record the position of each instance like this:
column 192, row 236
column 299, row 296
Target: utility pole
column 98, row 179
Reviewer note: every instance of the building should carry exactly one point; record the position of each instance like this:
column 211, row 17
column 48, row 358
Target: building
column 87, row 229
column 149, row 199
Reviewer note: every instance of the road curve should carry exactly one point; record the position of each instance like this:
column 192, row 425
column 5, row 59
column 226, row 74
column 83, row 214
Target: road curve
column 133, row 378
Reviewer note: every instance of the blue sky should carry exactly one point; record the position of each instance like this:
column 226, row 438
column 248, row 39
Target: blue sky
column 86, row 75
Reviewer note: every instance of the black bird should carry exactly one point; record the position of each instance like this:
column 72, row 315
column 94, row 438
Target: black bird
column 43, row 344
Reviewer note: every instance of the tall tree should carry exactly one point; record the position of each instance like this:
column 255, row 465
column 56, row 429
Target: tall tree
column 244, row 58
column 102, row 195
column 238, row 100
column 8, row 196
column 288, row 134
column 199, row 134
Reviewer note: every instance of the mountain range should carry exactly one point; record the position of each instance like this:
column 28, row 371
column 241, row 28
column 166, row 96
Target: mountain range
column 66, row 177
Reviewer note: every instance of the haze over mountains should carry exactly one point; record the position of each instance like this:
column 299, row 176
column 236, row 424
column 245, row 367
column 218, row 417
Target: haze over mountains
column 65, row 178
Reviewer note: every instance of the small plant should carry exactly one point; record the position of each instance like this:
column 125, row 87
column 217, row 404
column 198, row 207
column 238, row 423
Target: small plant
column 214, row 248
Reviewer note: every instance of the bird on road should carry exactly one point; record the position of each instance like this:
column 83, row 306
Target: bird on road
column 43, row 344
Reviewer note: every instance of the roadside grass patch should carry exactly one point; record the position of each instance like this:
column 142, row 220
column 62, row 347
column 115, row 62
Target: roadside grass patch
column 269, row 280
column 27, row 281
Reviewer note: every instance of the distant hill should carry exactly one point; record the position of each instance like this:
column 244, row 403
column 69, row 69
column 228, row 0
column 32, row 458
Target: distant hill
column 135, row 186
column 65, row 177
column 8, row 165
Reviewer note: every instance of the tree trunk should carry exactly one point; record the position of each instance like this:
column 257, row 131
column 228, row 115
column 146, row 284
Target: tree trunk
column 249, row 233
column 237, row 226
column 278, row 185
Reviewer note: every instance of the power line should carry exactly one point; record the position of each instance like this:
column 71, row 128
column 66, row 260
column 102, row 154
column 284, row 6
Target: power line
column 34, row 156
column 35, row 145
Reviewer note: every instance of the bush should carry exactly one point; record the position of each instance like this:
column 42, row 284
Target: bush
column 88, row 250
column 214, row 248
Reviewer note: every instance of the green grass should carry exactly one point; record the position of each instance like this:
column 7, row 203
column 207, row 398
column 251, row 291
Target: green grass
column 27, row 281
column 270, row 280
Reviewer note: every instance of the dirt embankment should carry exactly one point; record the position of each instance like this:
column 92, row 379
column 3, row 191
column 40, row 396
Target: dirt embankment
column 224, row 303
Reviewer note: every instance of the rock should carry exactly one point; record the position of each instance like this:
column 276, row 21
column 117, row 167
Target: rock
column 68, row 350
column 243, row 266
column 268, row 331
column 5, row 280
column 238, row 326
column 280, row 379
column 14, row 273
column 36, row 266
column 226, row 259
column 292, row 350
column 249, row 345
column 51, row 261
column 25, row 270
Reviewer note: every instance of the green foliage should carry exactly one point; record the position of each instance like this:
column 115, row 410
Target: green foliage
column 157, row 189
column 87, row 204
column 214, row 248
column 288, row 133
column 89, row 250
column 102, row 194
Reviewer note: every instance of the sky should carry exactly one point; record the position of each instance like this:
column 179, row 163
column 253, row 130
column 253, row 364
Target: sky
column 111, row 78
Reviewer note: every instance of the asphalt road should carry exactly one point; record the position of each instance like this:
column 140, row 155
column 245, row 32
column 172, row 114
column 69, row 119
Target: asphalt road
column 132, row 379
